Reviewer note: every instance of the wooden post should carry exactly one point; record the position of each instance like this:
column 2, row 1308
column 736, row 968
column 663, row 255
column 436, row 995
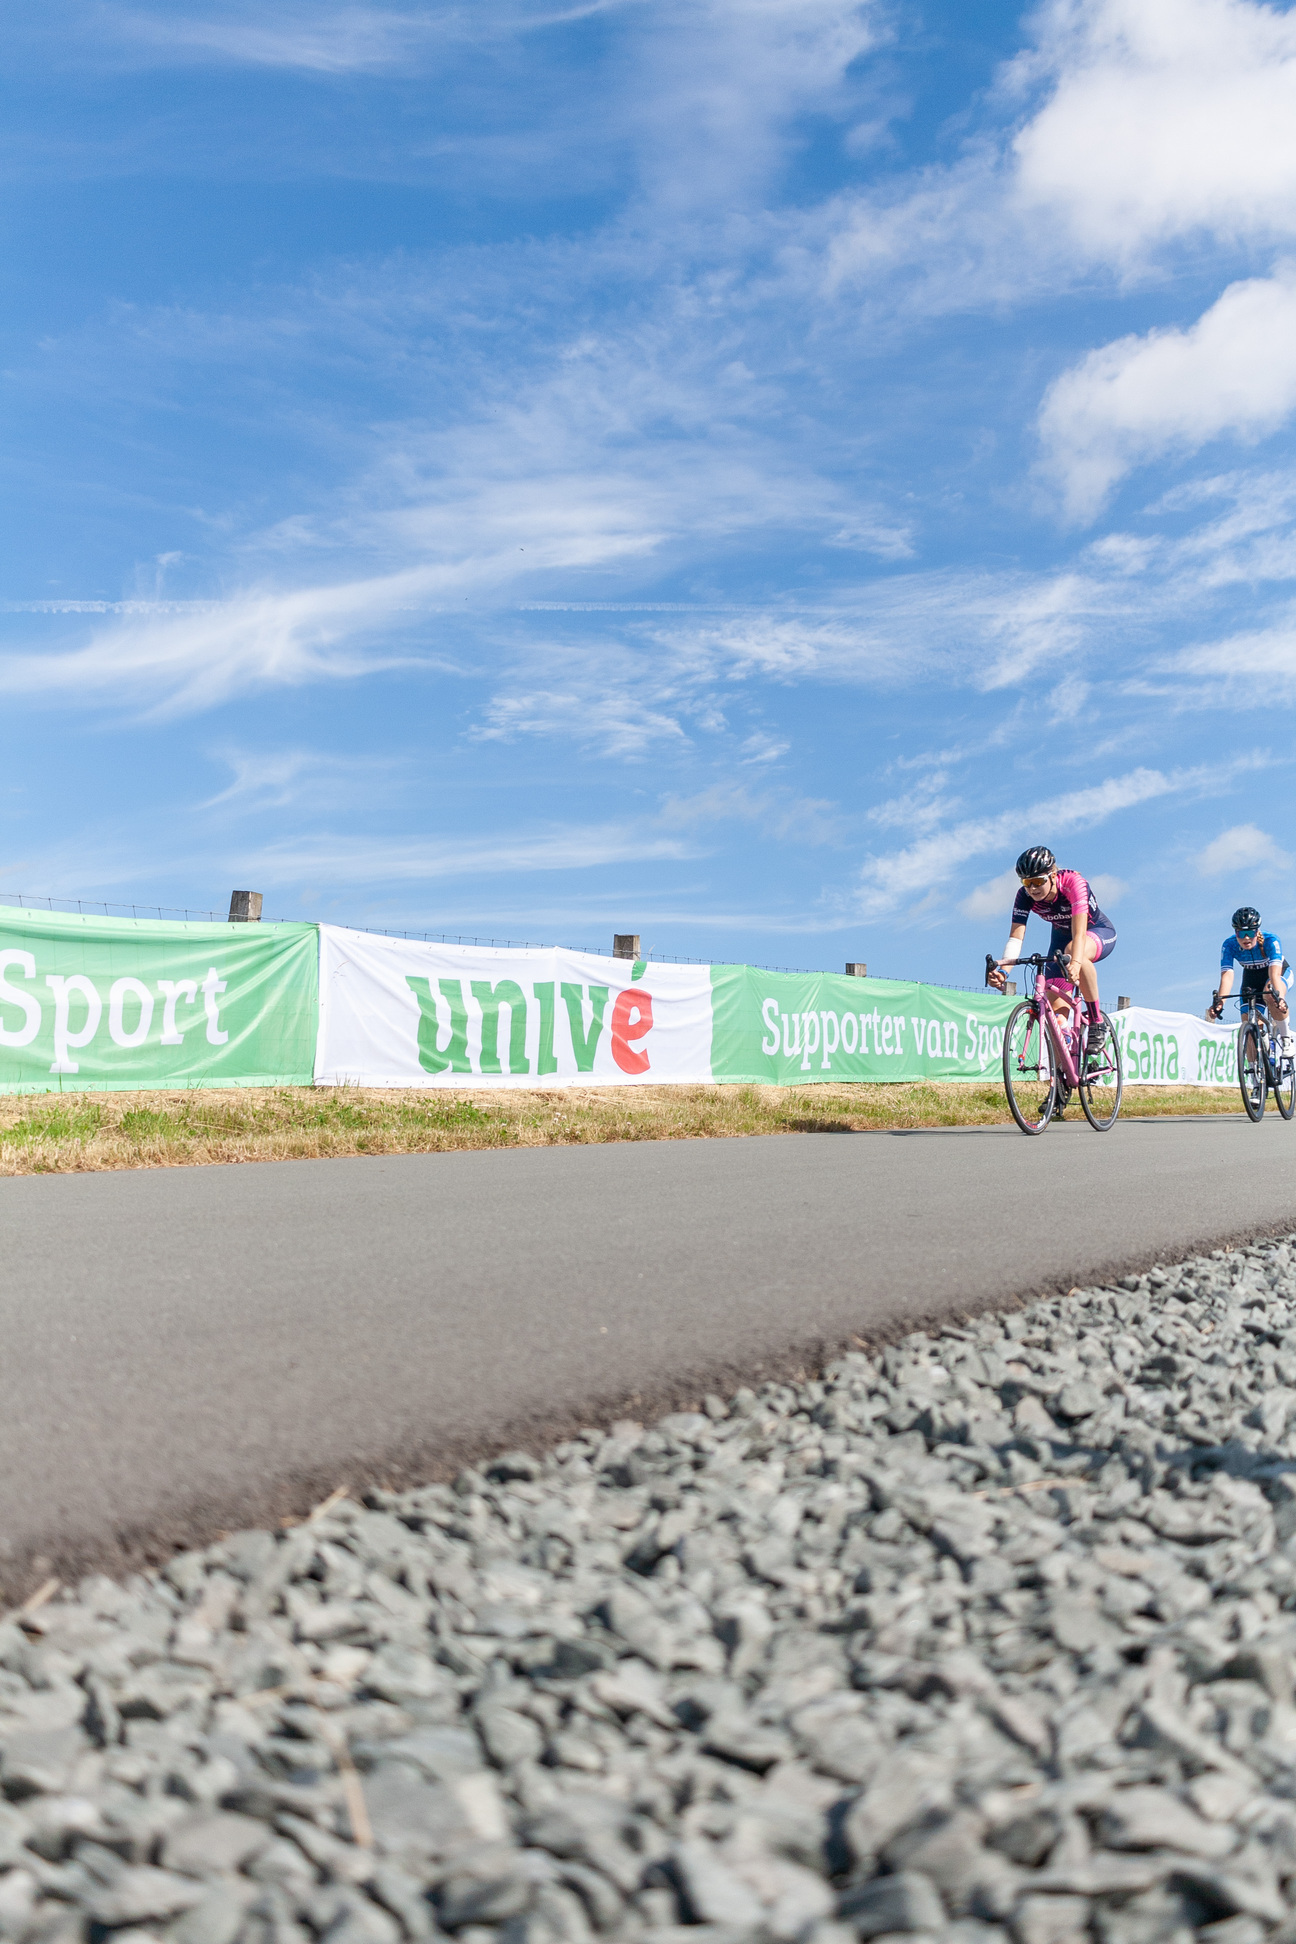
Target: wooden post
column 856, row 969
column 626, row 945
column 245, row 908
column 1124, row 1003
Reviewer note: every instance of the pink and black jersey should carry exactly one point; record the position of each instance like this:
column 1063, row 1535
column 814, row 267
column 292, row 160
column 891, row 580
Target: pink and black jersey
column 1073, row 894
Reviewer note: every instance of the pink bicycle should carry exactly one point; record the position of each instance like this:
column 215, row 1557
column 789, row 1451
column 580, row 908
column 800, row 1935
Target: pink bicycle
column 1048, row 1056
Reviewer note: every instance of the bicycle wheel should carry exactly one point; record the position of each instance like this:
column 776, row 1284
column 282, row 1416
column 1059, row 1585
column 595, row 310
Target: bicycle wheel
column 1030, row 1077
column 1252, row 1077
column 1102, row 1081
column 1285, row 1086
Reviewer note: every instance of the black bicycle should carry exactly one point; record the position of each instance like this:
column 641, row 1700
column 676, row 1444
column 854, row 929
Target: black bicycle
column 1261, row 1069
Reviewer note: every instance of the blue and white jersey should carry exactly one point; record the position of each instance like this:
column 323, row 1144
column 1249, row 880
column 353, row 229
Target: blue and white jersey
column 1267, row 950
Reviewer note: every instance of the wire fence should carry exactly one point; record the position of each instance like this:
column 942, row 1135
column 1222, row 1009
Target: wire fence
column 91, row 907
column 547, row 945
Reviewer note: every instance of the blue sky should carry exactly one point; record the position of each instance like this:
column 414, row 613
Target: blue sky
column 736, row 470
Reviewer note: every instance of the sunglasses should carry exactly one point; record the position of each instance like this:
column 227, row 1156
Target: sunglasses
column 1034, row 883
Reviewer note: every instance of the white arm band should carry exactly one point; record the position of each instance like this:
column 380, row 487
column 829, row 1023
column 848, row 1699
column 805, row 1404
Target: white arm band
column 1011, row 952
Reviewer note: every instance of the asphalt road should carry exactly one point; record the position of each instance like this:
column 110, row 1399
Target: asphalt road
column 190, row 1349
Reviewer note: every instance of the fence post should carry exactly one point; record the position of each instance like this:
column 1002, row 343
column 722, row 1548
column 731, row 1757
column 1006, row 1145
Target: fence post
column 245, row 908
column 856, row 969
column 1124, row 1003
column 625, row 945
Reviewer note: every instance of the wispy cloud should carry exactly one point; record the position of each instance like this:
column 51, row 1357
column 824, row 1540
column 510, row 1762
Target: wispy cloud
column 384, row 861
column 175, row 664
column 620, row 724
column 634, row 397
column 1235, row 672
column 910, row 876
column 273, row 779
column 779, row 812
column 992, row 899
column 324, row 40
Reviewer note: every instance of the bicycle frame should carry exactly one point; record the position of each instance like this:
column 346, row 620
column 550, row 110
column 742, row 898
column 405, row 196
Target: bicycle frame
column 1253, row 1010
column 1052, row 1018
column 1044, row 1011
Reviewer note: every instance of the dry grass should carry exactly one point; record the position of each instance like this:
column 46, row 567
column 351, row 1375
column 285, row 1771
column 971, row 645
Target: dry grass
column 64, row 1133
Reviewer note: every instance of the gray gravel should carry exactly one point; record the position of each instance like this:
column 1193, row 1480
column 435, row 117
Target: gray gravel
column 989, row 1637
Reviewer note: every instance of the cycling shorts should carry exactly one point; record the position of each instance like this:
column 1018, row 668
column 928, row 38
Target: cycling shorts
column 1105, row 935
column 1255, row 980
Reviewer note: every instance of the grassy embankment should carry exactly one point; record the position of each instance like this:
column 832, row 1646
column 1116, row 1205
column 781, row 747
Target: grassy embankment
column 44, row 1134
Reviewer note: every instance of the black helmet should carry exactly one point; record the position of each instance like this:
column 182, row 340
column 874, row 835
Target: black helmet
column 1246, row 919
column 1037, row 862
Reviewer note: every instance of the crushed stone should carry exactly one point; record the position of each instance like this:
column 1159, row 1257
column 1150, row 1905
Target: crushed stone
column 989, row 1637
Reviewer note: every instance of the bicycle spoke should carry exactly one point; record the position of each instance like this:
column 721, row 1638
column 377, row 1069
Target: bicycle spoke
column 1285, row 1085
column 1102, row 1081
column 1028, row 1070
column 1252, row 1077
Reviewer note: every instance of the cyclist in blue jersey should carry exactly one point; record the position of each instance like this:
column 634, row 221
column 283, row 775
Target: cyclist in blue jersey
column 1259, row 955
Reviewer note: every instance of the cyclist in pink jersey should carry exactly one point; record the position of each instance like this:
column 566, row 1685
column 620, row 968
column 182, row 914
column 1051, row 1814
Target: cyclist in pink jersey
column 1082, row 932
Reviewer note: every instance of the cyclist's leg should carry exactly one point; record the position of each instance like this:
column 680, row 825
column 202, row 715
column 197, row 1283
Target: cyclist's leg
column 1279, row 1010
column 1100, row 942
column 1095, row 946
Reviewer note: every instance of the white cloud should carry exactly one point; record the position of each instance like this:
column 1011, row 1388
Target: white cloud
column 714, row 85
column 620, row 723
column 1235, row 672
column 917, row 809
column 1233, row 372
column 994, row 898
column 1140, row 123
column 1067, row 700
column 763, row 748
column 1243, row 848
column 1240, row 657
column 910, row 876
column 382, row 860
column 786, row 647
column 1166, row 117
column 991, row 900
column 992, row 630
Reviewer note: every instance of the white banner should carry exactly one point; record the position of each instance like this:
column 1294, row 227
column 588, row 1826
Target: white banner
column 1170, row 1049
column 396, row 1012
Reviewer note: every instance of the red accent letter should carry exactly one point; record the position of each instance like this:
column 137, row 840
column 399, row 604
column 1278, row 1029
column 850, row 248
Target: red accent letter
column 631, row 1020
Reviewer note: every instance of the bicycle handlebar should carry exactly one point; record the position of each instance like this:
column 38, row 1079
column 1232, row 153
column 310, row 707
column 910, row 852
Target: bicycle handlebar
column 1245, row 1000
column 1035, row 958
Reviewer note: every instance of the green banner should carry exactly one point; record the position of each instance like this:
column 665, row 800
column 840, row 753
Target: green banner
column 789, row 1029
column 131, row 1003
